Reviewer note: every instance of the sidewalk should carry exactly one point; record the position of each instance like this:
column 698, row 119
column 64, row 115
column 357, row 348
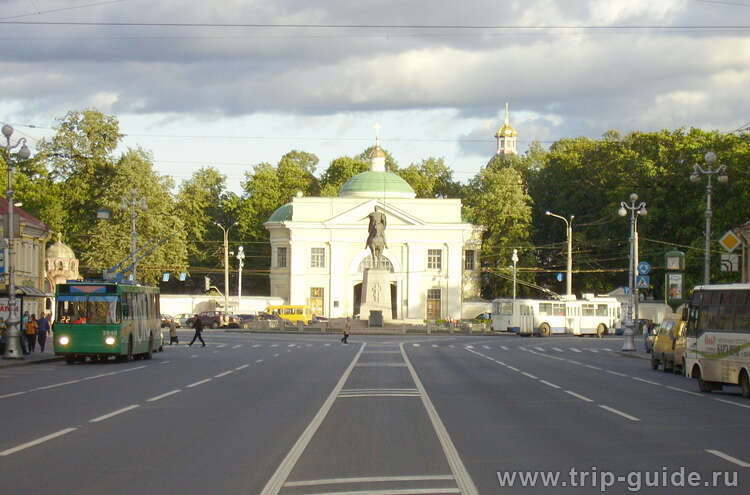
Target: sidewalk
column 639, row 352
column 36, row 357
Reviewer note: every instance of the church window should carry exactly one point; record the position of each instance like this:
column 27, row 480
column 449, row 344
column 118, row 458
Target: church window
column 469, row 259
column 434, row 259
column 317, row 257
column 280, row 257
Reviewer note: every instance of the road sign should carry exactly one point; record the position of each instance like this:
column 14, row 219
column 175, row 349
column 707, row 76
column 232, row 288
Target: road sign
column 730, row 262
column 642, row 282
column 730, row 241
column 643, row 268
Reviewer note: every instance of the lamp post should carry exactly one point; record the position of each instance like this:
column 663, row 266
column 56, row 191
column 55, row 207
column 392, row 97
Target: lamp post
column 514, row 258
column 640, row 209
column 710, row 158
column 13, row 338
column 131, row 203
column 225, row 230
column 569, row 232
column 241, row 260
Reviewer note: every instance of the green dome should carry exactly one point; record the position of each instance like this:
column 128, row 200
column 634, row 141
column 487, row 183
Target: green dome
column 282, row 213
column 377, row 185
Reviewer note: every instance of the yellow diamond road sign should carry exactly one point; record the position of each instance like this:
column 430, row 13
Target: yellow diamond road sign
column 729, row 241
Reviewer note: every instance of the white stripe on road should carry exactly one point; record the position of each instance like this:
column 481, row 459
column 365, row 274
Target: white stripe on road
column 529, row 375
column 728, row 457
column 677, row 389
column 557, row 349
column 55, row 385
column 223, row 374
column 11, row 395
column 503, row 348
column 165, row 362
column 256, row 345
column 198, row 383
column 574, row 349
column 573, row 361
column 579, row 396
column 433, row 345
column 733, row 403
column 463, row 479
column 276, row 355
column 646, row 381
column 593, row 350
column 549, row 384
column 242, row 367
column 486, row 347
column 37, row 441
column 398, row 491
column 328, row 345
column 606, row 349
column 281, row 474
column 159, row 397
column 368, row 479
column 236, row 346
column 415, row 345
column 620, row 413
column 616, row 373
column 259, row 361
column 114, row 413
column 513, row 368
column 539, row 349
column 593, row 367
column 220, row 346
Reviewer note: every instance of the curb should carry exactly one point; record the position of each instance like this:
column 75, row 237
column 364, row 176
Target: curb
column 633, row 354
column 23, row 362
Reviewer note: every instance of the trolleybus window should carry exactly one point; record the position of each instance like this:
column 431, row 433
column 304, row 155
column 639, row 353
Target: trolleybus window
column 87, row 309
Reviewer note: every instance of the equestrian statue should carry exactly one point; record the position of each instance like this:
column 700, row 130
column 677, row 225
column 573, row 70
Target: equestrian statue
column 376, row 237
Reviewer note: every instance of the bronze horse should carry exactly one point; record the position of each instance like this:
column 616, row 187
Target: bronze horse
column 376, row 237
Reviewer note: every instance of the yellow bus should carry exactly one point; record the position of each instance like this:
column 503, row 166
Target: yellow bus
column 292, row 312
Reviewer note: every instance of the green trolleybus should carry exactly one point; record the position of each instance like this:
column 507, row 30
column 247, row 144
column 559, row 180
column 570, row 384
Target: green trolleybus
column 104, row 319
column 718, row 337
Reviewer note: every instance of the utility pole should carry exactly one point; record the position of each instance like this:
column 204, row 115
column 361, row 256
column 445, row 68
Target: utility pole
column 225, row 230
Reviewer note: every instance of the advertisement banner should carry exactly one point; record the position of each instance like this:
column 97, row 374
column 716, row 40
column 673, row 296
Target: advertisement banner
column 674, row 286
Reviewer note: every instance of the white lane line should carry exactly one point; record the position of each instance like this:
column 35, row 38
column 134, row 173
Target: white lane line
column 242, row 367
column 236, row 346
column 619, row 413
column 647, row 381
column 55, row 385
column 733, row 403
column 292, row 345
column 259, row 361
column 579, row 396
column 573, row 361
column 678, row 389
column 256, row 345
column 276, row 355
column 167, row 394
column 486, row 347
column 540, row 349
column 416, row 345
column 549, row 384
column 593, row 350
column 282, row 472
column 11, row 395
column 557, row 349
column 593, row 367
column 513, row 368
column 728, row 457
column 463, row 479
column 224, row 374
column 503, row 348
column 522, row 348
column 220, row 346
column 574, row 349
column 398, row 491
column 201, row 382
column 606, row 349
column 469, row 347
column 616, row 373
column 434, row 345
column 328, row 345
column 165, row 362
column 114, row 413
column 529, row 375
column 43, row 439
column 274, row 345
column 368, row 479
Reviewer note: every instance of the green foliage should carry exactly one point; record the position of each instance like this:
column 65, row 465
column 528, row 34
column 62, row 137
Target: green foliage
column 339, row 171
column 431, row 179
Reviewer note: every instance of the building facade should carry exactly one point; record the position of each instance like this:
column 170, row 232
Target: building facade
column 319, row 249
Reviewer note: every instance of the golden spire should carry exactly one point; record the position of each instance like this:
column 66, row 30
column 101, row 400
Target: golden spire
column 507, row 122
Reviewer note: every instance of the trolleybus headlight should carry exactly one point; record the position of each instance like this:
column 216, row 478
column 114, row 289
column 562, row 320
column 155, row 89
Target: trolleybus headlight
column 64, row 340
column 109, row 341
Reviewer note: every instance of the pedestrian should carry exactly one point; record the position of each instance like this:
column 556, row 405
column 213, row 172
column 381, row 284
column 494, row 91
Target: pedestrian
column 3, row 328
column 42, row 330
column 198, row 326
column 173, row 333
column 31, row 326
column 347, row 330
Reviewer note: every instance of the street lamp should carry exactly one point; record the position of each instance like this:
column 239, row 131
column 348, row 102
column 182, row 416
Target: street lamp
column 131, row 203
column 640, row 209
column 13, row 338
column 569, row 232
column 226, row 263
column 710, row 158
column 514, row 259
column 241, row 260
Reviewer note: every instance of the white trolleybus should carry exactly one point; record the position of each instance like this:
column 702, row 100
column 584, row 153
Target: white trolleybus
column 592, row 315
column 718, row 337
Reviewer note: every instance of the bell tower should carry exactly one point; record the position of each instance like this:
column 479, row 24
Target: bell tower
column 507, row 137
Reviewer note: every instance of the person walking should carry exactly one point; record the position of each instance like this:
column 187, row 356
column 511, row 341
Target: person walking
column 31, row 326
column 42, row 330
column 347, row 330
column 198, row 326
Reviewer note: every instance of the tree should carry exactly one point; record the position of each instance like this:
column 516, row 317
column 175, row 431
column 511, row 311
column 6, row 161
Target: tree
column 338, row 172
column 431, row 178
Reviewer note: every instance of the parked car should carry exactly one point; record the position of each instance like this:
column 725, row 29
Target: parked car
column 166, row 320
column 663, row 352
column 486, row 316
column 233, row 321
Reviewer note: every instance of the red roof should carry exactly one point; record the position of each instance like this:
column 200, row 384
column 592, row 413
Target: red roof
column 24, row 216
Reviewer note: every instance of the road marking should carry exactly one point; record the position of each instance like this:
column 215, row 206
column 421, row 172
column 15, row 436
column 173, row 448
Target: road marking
column 593, row 367
column 256, row 345
column 677, row 389
column 616, row 373
column 434, row 345
column 574, row 349
column 557, row 349
column 415, row 345
column 486, row 347
column 539, row 349
column 159, row 397
column 469, row 347
column 368, row 479
column 220, row 346
column 201, row 382
column 503, row 348
column 513, row 368
column 11, row 395
column 328, row 345
column 579, row 396
column 236, row 346
column 242, row 367
column 522, row 348
column 55, row 385
column 276, row 355
column 259, row 361
column 165, row 362
column 549, row 384
column 282, row 472
column 728, row 457
column 463, row 480
column 194, row 356
column 593, row 350
column 377, row 364
column 646, row 381
column 574, row 362
column 114, row 413
column 620, row 413
column 529, row 375
column 291, row 345
column 223, row 374
column 274, row 345
column 382, row 352
column 400, row 491
column 606, row 349
column 37, row 441
column 733, row 403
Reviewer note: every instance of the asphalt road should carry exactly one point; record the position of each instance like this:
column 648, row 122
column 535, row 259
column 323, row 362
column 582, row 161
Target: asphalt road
column 294, row 414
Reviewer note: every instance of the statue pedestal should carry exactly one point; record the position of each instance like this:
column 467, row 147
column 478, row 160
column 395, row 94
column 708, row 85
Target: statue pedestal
column 376, row 294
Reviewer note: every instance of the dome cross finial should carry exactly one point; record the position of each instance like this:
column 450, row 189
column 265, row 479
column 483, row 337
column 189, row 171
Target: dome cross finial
column 377, row 128
column 507, row 121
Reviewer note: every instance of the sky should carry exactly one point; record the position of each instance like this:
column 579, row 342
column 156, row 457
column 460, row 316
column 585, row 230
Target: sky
column 232, row 83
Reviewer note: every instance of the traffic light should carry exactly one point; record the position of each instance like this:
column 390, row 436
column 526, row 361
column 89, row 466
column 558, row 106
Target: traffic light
column 206, row 283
